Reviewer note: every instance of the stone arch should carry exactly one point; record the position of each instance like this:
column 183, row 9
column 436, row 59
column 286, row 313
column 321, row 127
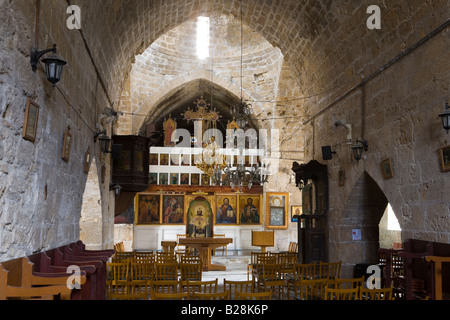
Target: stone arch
column 363, row 211
column 153, row 104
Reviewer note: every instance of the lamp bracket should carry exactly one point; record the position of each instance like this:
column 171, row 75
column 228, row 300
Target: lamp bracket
column 35, row 55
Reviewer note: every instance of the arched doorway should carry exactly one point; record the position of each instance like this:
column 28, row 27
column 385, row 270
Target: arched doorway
column 356, row 232
column 91, row 222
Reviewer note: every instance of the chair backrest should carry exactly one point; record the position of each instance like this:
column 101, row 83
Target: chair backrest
column 305, row 271
column 146, row 257
column 346, row 283
column 170, row 296
column 270, row 272
column 189, row 258
column 118, row 271
column 256, row 255
column 376, row 294
column 210, row 296
column 341, row 294
column 238, row 286
column 331, row 270
column 312, row 289
column 141, row 271
column 191, row 271
column 267, row 295
column 166, row 271
column 209, row 286
column 181, row 247
column 165, row 257
column 121, row 256
column 165, row 286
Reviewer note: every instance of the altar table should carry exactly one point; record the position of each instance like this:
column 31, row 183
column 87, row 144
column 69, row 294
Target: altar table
column 205, row 246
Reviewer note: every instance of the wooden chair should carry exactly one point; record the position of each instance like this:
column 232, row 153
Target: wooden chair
column 376, row 294
column 181, row 248
column 254, row 296
column 301, row 272
column 254, row 257
column 238, row 286
column 341, row 294
column 191, row 271
column 141, row 275
column 311, row 289
column 437, row 275
column 293, row 247
column 271, row 279
column 210, row 296
column 166, row 271
column 119, row 247
column 168, row 286
column 118, row 285
column 330, row 270
column 262, row 260
column 170, row 296
column 223, row 248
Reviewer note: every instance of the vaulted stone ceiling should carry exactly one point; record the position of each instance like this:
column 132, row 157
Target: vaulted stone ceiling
column 324, row 42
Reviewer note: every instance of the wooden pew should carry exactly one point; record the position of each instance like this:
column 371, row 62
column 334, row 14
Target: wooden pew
column 69, row 254
column 42, row 265
column 94, row 292
column 79, row 247
column 17, row 280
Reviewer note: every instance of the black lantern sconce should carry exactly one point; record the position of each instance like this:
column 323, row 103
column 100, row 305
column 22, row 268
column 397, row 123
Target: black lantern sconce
column 105, row 143
column 359, row 148
column 445, row 116
column 116, row 188
column 53, row 64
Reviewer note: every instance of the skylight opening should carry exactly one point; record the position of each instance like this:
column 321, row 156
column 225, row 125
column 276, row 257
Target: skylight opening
column 203, row 37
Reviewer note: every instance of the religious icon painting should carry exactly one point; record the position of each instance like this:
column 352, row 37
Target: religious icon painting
column 249, row 209
column 226, row 209
column 164, row 159
column 173, row 209
column 205, row 180
column 277, row 206
column 152, row 178
column 184, row 179
column 199, row 215
column 147, row 209
column 163, row 179
column 153, row 159
column 195, row 179
column 31, row 121
column 174, row 179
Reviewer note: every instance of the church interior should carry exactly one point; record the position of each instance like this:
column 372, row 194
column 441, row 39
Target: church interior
column 151, row 147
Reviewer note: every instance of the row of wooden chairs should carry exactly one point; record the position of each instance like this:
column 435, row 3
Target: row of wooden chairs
column 338, row 289
column 286, row 260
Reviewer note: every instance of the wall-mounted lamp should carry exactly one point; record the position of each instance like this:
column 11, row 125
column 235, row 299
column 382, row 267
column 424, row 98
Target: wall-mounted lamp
column 53, row 63
column 358, row 149
column 105, row 143
column 445, row 116
column 116, row 188
column 98, row 134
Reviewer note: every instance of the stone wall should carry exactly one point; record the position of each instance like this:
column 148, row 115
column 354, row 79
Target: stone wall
column 40, row 194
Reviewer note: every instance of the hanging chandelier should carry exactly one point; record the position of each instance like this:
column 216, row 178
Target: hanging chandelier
column 213, row 161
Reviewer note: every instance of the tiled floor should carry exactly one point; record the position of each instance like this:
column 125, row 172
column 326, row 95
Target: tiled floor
column 236, row 269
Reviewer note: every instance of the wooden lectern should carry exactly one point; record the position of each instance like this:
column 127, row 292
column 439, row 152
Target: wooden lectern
column 263, row 239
